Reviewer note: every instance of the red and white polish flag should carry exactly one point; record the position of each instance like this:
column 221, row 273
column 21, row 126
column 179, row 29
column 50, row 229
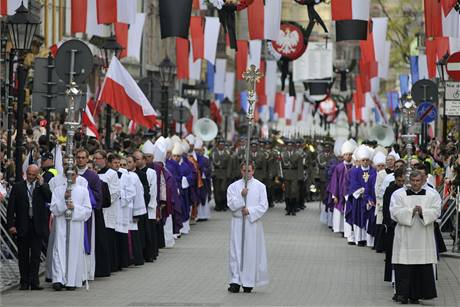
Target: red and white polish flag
column 199, row 5
column 9, row 7
column 264, row 19
column 89, row 123
column 351, row 18
column 132, row 127
column 113, row 11
column 130, row 37
column 84, row 18
column 122, row 93
column 87, row 116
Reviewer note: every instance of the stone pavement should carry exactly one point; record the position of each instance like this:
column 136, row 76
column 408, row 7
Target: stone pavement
column 308, row 266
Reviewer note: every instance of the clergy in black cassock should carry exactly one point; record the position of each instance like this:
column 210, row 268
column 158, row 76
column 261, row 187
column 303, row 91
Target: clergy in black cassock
column 414, row 247
column 388, row 223
column 99, row 247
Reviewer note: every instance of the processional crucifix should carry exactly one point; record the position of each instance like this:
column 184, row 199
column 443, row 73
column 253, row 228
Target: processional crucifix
column 252, row 75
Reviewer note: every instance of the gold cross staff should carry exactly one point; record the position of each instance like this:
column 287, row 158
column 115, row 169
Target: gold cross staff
column 252, row 75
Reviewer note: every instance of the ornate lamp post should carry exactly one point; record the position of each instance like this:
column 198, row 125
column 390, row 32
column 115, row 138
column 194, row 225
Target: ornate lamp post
column 440, row 66
column 227, row 110
column 110, row 48
column 22, row 27
column 167, row 69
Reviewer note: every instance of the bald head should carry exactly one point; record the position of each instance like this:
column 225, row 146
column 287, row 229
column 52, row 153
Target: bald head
column 32, row 172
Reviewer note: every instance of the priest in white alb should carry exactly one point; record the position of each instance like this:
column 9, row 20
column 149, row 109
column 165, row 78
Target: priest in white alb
column 69, row 273
column 254, row 271
column 414, row 247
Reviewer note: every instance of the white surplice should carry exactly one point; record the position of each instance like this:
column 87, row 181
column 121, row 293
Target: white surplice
column 414, row 241
column 152, row 205
column 57, row 181
column 77, row 270
column 138, row 204
column 127, row 194
column 379, row 195
column 110, row 214
column 255, row 269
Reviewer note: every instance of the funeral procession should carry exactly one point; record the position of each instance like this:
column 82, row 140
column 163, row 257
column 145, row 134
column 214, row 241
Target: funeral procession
column 229, row 153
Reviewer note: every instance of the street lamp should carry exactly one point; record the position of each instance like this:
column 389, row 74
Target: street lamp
column 167, row 69
column 110, row 48
column 21, row 27
column 227, row 109
column 440, row 66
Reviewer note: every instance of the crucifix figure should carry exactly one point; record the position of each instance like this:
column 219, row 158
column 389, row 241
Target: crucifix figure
column 252, row 75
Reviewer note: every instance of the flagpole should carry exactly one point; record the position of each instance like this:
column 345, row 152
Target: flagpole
column 252, row 75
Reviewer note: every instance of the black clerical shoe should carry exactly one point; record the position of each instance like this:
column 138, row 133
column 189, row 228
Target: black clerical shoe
column 36, row 288
column 362, row 243
column 70, row 288
column 234, row 288
column 288, row 213
column 351, row 243
column 403, row 300
column 24, row 287
column 293, row 213
column 414, row 301
column 58, row 286
column 395, row 298
column 48, row 280
column 247, row 289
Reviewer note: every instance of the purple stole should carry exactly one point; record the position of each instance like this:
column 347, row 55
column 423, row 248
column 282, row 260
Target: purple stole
column 94, row 189
column 173, row 201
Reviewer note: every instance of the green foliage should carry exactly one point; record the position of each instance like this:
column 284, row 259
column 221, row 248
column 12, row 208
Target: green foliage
column 405, row 24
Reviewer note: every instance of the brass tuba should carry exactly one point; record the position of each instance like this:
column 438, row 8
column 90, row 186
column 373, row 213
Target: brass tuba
column 383, row 134
column 205, row 129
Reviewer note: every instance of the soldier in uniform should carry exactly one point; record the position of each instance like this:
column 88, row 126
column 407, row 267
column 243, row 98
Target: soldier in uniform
column 302, row 184
column 260, row 158
column 275, row 172
column 237, row 157
column 291, row 163
column 271, row 170
column 220, row 158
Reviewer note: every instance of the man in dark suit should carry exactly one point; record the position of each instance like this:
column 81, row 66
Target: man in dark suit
column 27, row 218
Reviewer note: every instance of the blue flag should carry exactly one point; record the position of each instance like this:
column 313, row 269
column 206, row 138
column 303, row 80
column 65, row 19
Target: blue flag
column 244, row 101
column 404, row 84
column 210, row 77
column 414, row 74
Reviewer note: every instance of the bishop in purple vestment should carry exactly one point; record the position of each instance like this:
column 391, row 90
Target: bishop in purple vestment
column 361, row 191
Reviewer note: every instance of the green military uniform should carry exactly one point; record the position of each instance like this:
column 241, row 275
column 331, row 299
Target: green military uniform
column 220, row 158
column 311, row 171
column 292, row 170
column 302, row 183
column 274, row 174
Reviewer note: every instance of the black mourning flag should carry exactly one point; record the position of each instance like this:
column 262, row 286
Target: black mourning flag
column 175, row 18
column 351, row 30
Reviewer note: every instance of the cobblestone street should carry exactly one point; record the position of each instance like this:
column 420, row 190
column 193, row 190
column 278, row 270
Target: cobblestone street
column 308, row 266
